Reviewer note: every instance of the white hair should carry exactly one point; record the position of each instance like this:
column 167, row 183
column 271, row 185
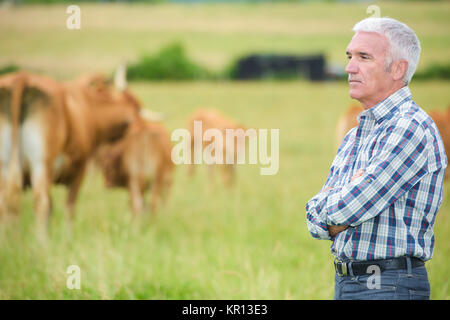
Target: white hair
column 403, row 42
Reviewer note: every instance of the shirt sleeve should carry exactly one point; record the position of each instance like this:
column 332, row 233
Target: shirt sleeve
column 400, row 164
column 316, row 218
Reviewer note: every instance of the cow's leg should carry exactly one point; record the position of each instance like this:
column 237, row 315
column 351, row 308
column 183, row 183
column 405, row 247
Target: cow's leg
column 229, row 174
column 191, row 170
column 157, row 191
column 40, row 181
column 34, row 151
column 74, row 189
column 5, row 152
column 11, row 173
column 14, row 173
column 5, row 148
column 191, row 166
column 2, row 203
column 9, row 206
column 167, row 184
column 136, row 198
column 3, row 211
column 3, row 181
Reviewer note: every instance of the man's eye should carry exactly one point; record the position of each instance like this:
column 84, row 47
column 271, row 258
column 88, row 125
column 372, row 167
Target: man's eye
column 365, row 57
column 349, row 57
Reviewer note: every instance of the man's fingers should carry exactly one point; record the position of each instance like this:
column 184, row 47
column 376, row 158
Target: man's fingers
column 334, row 230
column 358, row 174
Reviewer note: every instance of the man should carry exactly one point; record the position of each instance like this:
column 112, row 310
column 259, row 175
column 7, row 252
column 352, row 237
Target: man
column 385, row 185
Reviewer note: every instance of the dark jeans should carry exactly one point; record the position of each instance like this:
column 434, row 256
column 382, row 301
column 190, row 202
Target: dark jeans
column 399, row 284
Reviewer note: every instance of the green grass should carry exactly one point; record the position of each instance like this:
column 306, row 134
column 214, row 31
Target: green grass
column 214, row 34
column 250, row 242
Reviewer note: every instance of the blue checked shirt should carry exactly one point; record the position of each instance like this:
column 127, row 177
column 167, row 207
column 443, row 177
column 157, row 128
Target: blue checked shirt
column 391, row 208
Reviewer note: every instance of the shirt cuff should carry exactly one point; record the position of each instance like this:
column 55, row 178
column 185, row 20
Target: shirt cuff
column 317, row 216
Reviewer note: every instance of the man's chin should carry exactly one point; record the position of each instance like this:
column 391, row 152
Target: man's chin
column 354, row 94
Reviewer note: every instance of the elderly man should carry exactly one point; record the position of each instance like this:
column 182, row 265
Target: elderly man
column 385, row 185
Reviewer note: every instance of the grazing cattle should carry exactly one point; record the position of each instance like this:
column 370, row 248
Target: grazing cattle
column 346, row 122
column 139, row 162
column 442, row 121
column 212, row 119
column 48, row 131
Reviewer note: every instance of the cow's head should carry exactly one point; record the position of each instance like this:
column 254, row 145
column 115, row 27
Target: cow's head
column 114, row 107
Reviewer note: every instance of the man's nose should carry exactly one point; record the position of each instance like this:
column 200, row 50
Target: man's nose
column 351, row 67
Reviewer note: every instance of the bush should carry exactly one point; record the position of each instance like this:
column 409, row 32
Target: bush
column 230, row 71
column 434, row 71
column 8, row 68
column 171, row 63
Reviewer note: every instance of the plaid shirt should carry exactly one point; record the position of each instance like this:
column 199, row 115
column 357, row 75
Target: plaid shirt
column 391, row 208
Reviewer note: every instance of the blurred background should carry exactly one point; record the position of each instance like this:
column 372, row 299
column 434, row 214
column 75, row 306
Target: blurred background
column 266, row 64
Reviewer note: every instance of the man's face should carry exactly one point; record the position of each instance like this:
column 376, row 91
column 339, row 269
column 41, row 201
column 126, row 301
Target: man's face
column 369, row 80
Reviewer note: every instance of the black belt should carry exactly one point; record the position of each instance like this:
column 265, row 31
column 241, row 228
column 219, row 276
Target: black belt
column 360, row 268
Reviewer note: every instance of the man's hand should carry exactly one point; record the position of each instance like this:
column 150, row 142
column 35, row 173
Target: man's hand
column 358, row 174
column 334, row 230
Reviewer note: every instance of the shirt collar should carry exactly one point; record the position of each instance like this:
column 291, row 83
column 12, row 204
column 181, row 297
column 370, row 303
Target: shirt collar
column 391, row 104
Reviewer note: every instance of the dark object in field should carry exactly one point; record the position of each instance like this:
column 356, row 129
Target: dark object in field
column 259, row 66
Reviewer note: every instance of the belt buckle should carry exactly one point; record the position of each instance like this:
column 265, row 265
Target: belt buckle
column 340, row 267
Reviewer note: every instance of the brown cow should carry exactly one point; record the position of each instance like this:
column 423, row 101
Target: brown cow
column 346, row 122
column 48, row 131
column 139, row 162
column 213, row 119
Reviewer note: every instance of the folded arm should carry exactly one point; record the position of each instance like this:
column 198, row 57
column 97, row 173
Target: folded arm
column 400, row 164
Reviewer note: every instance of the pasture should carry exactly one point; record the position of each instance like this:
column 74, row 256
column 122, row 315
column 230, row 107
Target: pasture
column 248, row 242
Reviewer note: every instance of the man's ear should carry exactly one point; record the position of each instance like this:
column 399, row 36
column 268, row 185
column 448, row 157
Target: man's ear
column 398, row 69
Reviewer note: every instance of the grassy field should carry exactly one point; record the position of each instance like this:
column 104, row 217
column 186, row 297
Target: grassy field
column 250, row 242
column 214, row 34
